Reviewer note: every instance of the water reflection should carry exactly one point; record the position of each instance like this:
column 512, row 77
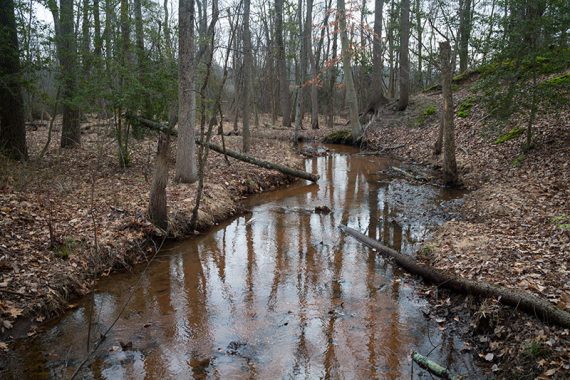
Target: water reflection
column 277, row 293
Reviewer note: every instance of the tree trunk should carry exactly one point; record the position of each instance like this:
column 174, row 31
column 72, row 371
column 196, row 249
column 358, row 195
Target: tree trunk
column 464, row 34
column 247, row 77
column 449, row 165
column 419, row 29
column 139, row 43
column 332, row 79
column 67, row 52
column 186, row 170
column 313, row 62
column 284, row 94
column 404, row 55
column 351, row 98
column 439, row 142
column 167, row 36
column 98, row 42
column 302, row 71
column 109, row 12
column 378, row 69
column 12, row 123
column 529, row 303
column 157, row 206
column 85, row 38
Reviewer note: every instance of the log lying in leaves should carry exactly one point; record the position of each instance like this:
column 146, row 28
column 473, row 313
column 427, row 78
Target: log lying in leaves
column 434, row 368
column 265, row 164
column 238, row 156
column 527, row 302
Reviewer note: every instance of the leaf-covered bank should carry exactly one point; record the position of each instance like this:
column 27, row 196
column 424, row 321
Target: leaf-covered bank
column 54, row 210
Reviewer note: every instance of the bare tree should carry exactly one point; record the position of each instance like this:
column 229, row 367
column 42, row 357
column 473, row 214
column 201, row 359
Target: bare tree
column 12, row 127
column 186, row 170
column 282, row 65
column 464, row 33
column 404, row 55
column 449, row 165
column 351, row 98
column 67, row 54
column 247, row 77
column 378, row 69
column 302, row 69
column 313, row 63
column 157, row 207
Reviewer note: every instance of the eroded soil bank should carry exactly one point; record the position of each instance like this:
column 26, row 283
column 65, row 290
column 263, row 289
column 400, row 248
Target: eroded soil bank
column 277, row 293
column 53, row 210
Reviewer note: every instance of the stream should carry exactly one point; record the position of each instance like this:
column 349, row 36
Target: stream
column 275, row 293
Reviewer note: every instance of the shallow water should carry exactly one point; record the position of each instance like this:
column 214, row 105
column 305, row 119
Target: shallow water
column 276, row 293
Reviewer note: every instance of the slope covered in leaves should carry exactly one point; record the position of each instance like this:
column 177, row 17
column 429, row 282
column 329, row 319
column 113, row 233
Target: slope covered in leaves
column 515, row 225
column 53, row 210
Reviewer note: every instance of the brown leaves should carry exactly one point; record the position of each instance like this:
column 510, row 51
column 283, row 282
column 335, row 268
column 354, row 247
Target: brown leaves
column 47, row 250
column 508, row 235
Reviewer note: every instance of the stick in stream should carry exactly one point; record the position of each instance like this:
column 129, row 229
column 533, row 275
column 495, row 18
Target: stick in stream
column 238, row 156
column 527, row 302
column 434, row 368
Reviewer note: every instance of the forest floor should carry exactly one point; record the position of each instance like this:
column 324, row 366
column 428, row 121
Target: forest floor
column 514, row 231
column 50, row 209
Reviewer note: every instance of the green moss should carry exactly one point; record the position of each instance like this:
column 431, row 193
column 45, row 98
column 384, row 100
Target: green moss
column 430, row 110
column 343, row 136
column 559, row 81
column 426, row 113
column 512, row 134
column 65, row 249
column 534, row 350
column 464, row 109
column 518, row 161
column 427, row 249
column 561, row 221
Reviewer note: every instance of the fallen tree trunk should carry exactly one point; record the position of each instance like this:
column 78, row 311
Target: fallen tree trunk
column 434, row 368
column 238, row 156
column 527, row 302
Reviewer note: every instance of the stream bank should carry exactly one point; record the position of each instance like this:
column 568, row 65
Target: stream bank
column 512, row 231
column 51, row 208
column 274, row 293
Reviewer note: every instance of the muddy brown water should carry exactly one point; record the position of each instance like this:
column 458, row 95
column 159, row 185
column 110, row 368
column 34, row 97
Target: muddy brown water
column 276, row 293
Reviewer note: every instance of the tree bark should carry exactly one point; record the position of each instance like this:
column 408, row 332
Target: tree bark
column 12, row 122
column 284, row 94
column 186, row 170
column 98, row 42
column 464, row 34
column 351, row 98
column 157, row 207
column 404, row 55
column 313, row 63
column 527, row 302
column 378, row 69
column 449, row 165
column 332, row 78
column 247, row 77
column 301, row 73
column 67, row 52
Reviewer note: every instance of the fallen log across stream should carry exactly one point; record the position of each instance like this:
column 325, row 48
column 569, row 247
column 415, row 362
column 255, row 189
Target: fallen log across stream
column 237, row 155
column 527, row 302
